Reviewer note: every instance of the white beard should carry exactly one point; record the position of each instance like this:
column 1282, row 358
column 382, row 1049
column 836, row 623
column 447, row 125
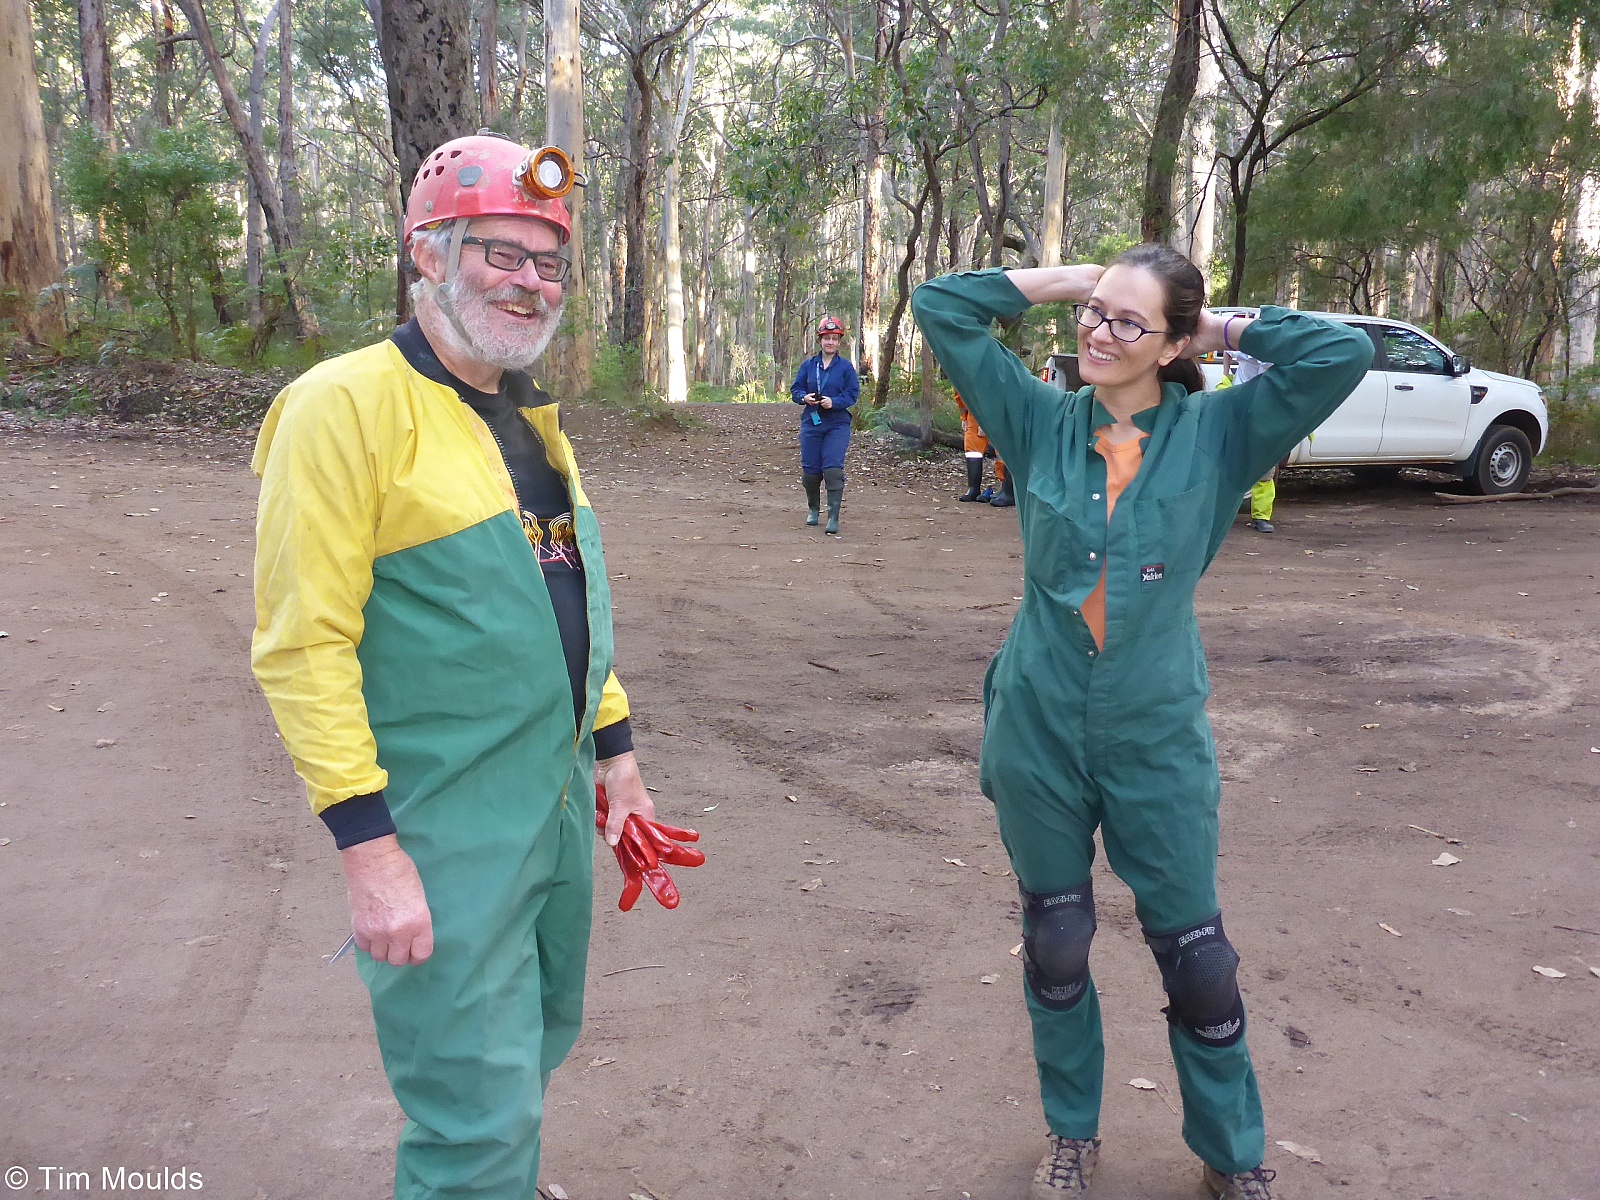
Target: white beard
column 473, row 333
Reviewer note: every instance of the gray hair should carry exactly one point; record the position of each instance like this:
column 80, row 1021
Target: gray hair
column 436, row 239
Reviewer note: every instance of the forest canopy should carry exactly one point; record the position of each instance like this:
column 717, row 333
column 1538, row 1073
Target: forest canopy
column 225, row 182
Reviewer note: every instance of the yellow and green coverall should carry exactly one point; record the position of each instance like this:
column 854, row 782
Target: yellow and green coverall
column 407, row 643
column 1077, row 735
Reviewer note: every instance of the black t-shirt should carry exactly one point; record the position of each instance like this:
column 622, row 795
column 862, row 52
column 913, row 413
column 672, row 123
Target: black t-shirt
column 542, row 494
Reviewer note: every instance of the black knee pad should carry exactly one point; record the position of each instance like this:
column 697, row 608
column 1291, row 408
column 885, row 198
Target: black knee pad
column 808, row 478
column 834, row 476
column 1057, row 928
column 1200, row 971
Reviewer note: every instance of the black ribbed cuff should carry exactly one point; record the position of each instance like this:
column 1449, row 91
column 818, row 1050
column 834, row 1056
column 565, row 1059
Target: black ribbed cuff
column 358, row 819
column 613, row 740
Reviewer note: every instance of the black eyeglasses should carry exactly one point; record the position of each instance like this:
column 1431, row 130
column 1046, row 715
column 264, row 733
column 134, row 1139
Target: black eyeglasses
column 508, row 257
column 1122, row 329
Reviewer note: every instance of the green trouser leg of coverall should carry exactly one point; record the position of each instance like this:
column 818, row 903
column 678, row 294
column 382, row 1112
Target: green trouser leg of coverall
column 469, row 1038
column 1048, row 807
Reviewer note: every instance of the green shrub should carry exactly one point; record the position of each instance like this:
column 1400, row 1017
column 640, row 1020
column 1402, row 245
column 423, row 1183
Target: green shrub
column 1574, row 432
column 162, row 226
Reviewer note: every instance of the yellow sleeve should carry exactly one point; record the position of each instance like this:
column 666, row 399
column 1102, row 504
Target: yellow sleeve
column 315, row 536
column 613, row 703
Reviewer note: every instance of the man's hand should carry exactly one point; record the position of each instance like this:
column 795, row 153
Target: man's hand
column 826, row 402
column 626, row 792
column 388, row 907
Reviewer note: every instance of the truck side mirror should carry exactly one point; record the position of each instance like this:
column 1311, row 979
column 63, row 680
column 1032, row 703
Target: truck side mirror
column 1459, row 365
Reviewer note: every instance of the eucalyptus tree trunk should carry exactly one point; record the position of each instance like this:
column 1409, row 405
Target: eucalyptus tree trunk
column 29, row 264
column 672, row 239
column 745, row 331
column 426, row 48
column 573, row 361
column 873, row 137
column 1583, row 231
column 705, row 297
column 638, row 117
column 256, row 160
column 488, row 45
column 166, row 60
column 252, row 216
column 1183, row 74
column 1053, row 226
column 1197, row 234
column 96, row 71
column 930, row 268
column 288, row 152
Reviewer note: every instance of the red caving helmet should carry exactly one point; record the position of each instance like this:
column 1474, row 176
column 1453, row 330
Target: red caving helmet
column 830, row 325
column 484, row 176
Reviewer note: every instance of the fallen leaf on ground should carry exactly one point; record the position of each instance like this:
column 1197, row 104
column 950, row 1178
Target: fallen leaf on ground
column 713, row 808
column 557, row 1192
column 1408, row 767
column 1390, row 929
column 1299, row 1151
column 1446, row 859
column 988, row 979
column 1372, row 726
column 104, row 742
column 812, row 886
column 1592, row 970
column 1550, row 973
column 1144, row 1085
column 955, row 862
column 604, row 1060
column 1460, row 912
column 792, row 799
column 254, row 1112
column 1016, row 950
column 1297, row 1037
column 210, row 939
column 5, row 841
column 53, row 708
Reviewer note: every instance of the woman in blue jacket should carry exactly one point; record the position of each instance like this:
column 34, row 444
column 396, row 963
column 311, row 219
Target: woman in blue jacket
column 827, row 386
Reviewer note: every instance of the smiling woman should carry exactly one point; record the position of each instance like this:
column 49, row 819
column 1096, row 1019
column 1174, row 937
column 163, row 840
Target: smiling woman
column 1095, row 705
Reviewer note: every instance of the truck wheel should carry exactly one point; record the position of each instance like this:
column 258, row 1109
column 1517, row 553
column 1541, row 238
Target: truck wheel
column 1505, row 456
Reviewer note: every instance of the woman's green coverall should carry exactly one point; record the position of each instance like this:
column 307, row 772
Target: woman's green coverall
column 1077, row 736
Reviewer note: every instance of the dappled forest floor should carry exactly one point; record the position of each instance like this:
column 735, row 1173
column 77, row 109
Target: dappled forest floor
column 835, row 1010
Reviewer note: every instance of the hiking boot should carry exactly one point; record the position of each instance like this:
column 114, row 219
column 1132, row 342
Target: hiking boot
column 1066, row 1168
column 1261, row 526
column 1247, row 1185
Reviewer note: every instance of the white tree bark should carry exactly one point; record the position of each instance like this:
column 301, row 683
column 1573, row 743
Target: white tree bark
column 1053, row 226
column 563, row 85
column 1583, row 235
column 671, row 238
column 1198, row 218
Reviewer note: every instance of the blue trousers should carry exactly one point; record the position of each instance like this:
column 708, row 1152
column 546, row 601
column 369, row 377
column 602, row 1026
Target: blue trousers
column 822, row 446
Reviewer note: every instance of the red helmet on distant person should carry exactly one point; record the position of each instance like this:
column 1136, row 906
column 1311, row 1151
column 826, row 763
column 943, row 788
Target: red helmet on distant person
column 484, row 176
column 830, row 325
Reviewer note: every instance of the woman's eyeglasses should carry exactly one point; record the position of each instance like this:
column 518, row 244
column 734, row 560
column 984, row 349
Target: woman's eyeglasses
column 1122, row 329
column 508, row 256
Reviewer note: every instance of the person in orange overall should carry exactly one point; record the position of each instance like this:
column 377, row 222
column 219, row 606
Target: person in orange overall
column 976, row 447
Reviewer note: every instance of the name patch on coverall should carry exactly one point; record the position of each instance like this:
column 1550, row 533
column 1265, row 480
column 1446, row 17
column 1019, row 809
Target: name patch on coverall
column 1152, row 573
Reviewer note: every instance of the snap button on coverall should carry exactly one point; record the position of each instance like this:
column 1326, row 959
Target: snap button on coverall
column 1078, row 736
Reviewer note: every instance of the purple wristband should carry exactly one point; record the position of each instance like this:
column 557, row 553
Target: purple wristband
column 1227, row 325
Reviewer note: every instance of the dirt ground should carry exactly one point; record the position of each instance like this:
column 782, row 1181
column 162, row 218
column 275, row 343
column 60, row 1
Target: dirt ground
column 1383, row 667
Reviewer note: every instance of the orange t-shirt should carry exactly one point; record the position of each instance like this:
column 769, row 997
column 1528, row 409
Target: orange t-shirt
column 1122, row 464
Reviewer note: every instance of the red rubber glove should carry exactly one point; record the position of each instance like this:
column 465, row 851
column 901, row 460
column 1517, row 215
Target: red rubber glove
column 643, row 847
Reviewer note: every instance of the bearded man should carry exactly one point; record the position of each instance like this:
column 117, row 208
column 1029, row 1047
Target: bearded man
column 433, row 632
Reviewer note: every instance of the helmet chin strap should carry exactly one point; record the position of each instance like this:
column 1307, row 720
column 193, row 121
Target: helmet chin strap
column 445, row 293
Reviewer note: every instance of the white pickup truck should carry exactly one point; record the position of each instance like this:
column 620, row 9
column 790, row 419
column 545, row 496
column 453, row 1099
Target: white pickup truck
column 1419, row 406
